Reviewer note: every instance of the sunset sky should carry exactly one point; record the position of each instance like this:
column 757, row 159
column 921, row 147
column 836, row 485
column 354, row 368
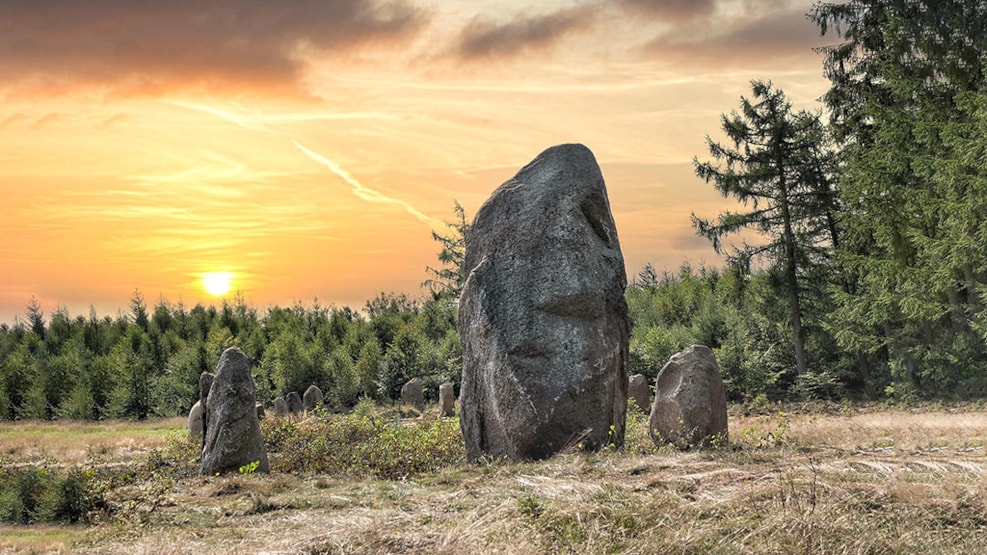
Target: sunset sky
column 305, row 149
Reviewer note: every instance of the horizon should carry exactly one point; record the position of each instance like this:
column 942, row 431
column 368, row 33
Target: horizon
column 307, row 151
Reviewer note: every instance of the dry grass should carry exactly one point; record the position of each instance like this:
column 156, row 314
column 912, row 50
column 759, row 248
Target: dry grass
column 883, row 481
column 39, row 539
column 73, row 441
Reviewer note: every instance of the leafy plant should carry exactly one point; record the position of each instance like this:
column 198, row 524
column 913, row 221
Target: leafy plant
column 30, row 494
column 249, row 468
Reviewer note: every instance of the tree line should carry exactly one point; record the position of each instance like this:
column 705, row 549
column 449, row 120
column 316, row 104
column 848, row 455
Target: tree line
column 866, row 276
column 872, row 220
column 148, row 361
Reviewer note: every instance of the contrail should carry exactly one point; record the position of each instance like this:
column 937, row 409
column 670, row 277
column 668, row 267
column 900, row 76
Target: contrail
column 366, row 193
column 362, row 192
column 224, row 114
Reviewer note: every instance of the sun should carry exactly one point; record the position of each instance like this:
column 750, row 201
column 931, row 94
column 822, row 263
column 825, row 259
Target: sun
column 217, row 283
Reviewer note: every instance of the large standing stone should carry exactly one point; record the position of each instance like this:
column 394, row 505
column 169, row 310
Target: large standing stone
column 312, row 397
column 447, row 400
column 294, row 402
column 690, row 406
column 637, row 389
column 411, row 394
column 542, row 315
column 280, row 407
column 195, row 420
column 233, row 438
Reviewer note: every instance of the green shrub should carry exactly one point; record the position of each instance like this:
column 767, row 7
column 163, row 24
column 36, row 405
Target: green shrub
column 363, row 445
column 637, row 439
column 30, row 494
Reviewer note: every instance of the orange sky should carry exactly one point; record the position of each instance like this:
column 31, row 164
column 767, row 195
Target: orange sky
column 308, row 148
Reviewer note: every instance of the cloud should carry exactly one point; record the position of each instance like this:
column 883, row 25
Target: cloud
column 483, row 38
column 11, row 119
column 771, row 37
column 55, row 45
column 671, row 10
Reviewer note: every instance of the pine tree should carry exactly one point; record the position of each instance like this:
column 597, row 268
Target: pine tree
column 905, row 80
column 447, row 282
column 778, row 167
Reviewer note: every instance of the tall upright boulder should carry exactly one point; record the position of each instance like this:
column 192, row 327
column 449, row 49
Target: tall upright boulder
column 447, row 399
column 312, row 397
column 294, row 403
column 690, row 406
column 195, row 420
column 637, row 389
column 412, row 395
column 280, row 407
column 205, row 383
column 542, row 316
column 233, row 438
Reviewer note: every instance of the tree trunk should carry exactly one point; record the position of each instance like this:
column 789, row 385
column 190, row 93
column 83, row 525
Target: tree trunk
column 791, row 270
column 865, row 374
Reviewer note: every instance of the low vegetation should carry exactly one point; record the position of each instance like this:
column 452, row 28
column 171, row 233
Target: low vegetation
column 816, row 478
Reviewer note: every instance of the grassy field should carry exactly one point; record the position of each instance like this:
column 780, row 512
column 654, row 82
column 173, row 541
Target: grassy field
column 812, row 479
column 73, row 442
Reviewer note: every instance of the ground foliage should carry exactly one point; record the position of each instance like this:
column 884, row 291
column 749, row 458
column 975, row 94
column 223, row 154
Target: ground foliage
column 793, row 478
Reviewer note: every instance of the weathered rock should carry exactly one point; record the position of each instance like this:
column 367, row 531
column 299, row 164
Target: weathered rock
column 411, row 394
column 233, row 438
column 690, row 406
column 294, row 402
column 312, row 397
column 542, row 316
column 195, row 420
column 205, row 382
column 280, row 407
column 637, row 389
column 447, row 400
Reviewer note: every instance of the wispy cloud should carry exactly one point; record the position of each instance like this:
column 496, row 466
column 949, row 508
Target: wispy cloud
column 670, row 10
column 483, row 38
column 767, row 34
column 366, row 193
column 359, row 189
column 261, row 121
column 11, row 119
column 232, row 117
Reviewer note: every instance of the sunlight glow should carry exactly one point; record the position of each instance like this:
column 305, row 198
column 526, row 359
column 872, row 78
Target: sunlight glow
column 217, row 283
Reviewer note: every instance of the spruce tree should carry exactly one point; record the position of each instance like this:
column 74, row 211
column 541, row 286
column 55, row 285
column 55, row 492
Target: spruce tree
column 776, row 165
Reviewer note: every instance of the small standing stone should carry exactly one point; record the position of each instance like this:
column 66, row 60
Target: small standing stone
column 411, row 394
column 233, row 438
column 261, row 413
column 205, row 382
column 690, row 406
column 447, row 400
column 312, row 397
column 195, row 420
column 294, row 403
column 280, row 407
column 637, row 389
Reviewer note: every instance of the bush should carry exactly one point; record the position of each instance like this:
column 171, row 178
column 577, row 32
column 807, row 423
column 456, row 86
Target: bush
column 30, row 494
column 363, row 445
column 637, row 438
